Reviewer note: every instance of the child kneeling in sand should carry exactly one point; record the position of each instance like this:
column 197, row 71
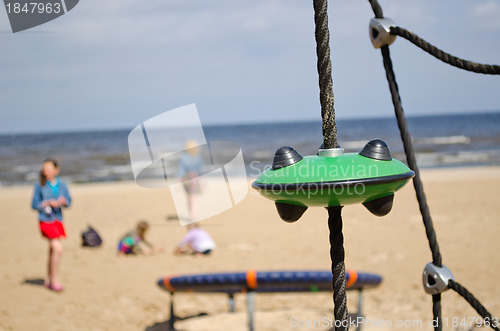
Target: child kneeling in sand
column 197, row 241
column 134, row 242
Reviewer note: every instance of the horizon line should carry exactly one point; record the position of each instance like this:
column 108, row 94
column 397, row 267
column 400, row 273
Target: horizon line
column 271, row 122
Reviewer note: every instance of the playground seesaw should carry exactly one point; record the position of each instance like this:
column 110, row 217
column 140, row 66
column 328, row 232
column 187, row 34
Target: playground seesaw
column 251, row 282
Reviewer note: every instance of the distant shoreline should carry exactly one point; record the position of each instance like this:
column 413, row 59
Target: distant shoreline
column 434, row 173
column 306, row 120
column 94, row 156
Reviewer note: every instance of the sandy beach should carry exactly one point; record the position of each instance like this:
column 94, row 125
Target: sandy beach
column 106, row 292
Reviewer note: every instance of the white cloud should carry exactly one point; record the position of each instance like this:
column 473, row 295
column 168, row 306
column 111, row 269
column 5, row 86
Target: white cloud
column 175, row 22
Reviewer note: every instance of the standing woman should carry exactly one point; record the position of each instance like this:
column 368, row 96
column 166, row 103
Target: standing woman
column 189, row 172
column 50, row 196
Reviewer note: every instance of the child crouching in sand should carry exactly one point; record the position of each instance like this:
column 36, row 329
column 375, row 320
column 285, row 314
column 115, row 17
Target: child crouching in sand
column 134, row 242
column 197, row 241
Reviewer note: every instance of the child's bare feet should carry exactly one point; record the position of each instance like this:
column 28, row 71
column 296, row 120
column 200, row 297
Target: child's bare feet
column 56, row 287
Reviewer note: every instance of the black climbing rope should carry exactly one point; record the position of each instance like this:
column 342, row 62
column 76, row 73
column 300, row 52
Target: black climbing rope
column 412, row 163
column 417, row 182
column 479, row 68
column 377, row 10
column 410, row 158
column 436, row 311
column 338, row 266
column 485, row 314
column 329, row 129
column 322, row 35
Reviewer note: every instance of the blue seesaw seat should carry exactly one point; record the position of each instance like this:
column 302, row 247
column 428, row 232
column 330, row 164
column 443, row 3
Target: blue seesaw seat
column 253, row 281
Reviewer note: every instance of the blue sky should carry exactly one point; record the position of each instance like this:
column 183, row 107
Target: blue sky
column 116, row 63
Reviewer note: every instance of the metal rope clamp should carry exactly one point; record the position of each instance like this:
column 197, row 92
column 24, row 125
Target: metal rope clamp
column 380, row 32
column 435, row 279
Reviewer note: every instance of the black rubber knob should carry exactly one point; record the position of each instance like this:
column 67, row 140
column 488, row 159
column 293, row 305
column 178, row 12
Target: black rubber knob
column 285, row 156
column 289, row 213
column 381, row 206
column 376, row 149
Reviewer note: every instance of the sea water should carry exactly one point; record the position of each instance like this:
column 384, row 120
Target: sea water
column 96, row 156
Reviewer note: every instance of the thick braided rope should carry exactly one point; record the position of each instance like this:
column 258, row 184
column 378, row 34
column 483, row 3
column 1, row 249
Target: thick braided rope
column 411, row 159
column 338, row 267
column 488, row 69
column 329, row 128
column 412, row 163
column 436, row 311
column 405, row 135
column 417, row 182
column 322, row 35
column 377, row 9
column 485, row 314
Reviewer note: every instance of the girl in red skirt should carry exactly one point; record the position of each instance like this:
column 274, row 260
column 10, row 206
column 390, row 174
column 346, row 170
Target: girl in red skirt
column 50, row 196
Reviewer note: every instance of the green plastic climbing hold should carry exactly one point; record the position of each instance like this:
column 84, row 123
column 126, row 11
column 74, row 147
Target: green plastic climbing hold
column 333, row 178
